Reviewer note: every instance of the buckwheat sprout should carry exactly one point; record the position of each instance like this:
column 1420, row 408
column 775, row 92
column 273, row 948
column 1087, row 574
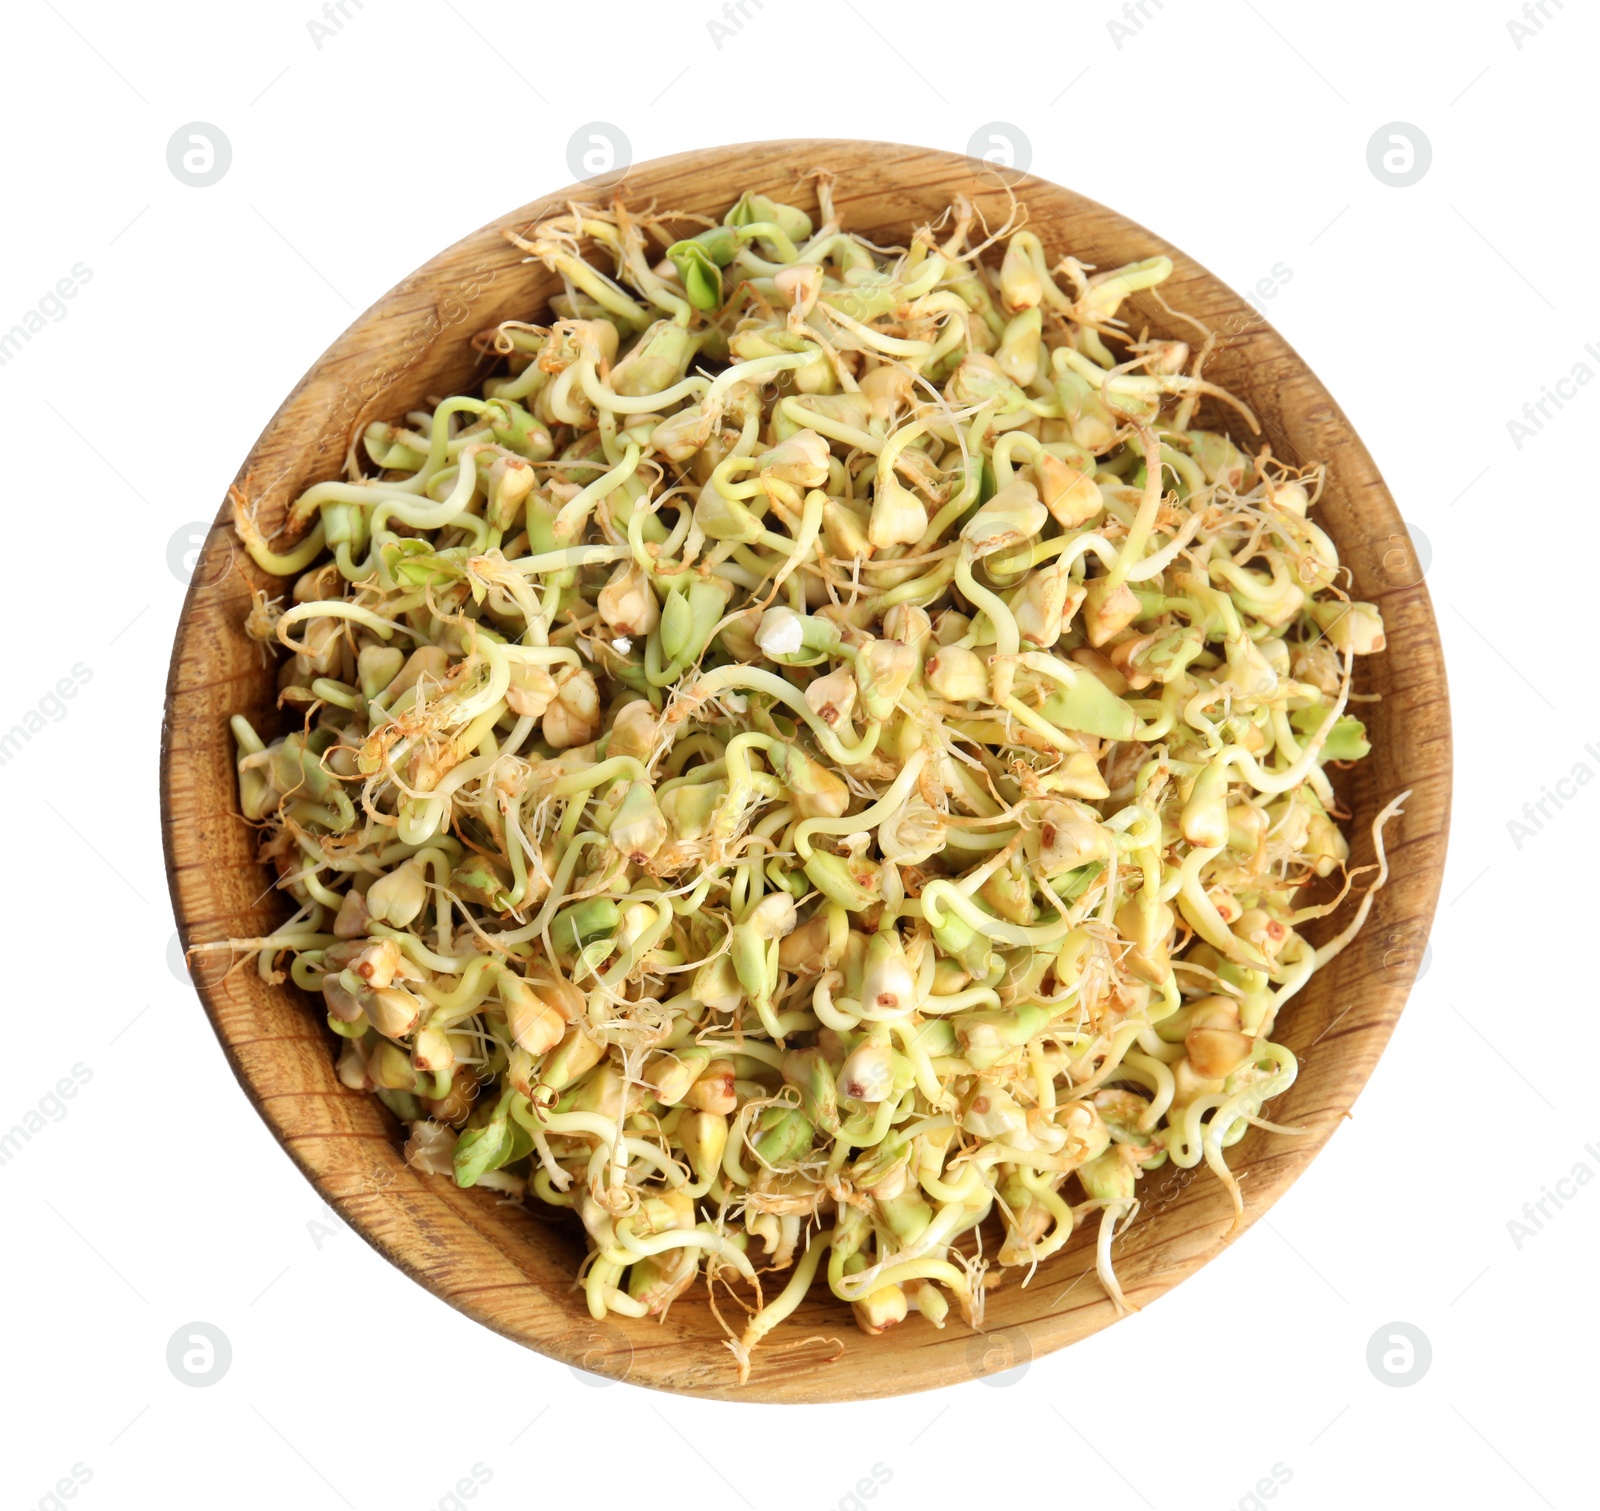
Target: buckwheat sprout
column 896, row 845
column 332, row 609
column 603, row 398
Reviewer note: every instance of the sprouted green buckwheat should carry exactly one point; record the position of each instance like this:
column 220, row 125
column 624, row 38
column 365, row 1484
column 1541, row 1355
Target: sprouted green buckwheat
column 821, row 753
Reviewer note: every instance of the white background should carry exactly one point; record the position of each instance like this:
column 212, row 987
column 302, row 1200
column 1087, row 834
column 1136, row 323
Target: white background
column 1239, row 131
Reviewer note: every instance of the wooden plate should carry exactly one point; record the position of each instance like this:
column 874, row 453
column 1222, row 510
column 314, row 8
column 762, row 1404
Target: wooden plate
column 508, row 1268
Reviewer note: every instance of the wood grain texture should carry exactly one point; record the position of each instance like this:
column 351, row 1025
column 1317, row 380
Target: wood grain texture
column 511, row 1269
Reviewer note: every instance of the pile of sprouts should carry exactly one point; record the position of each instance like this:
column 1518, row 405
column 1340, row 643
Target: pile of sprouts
column 814, row 768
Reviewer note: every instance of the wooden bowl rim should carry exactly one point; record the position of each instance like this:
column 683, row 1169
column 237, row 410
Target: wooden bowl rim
column 815, row 1379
